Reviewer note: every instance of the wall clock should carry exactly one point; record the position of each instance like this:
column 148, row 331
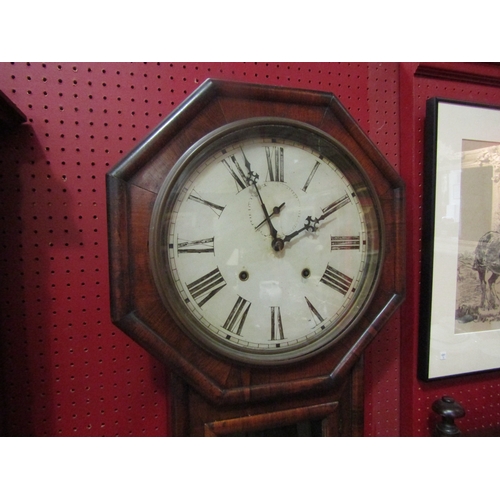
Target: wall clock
column 256, row 247
column 266, row 241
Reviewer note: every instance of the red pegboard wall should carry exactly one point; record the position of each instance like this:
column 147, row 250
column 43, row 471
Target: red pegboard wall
column 66, row 370
column 477, row 393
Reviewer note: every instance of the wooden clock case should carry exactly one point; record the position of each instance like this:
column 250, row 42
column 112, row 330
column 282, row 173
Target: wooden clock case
column 211, row 395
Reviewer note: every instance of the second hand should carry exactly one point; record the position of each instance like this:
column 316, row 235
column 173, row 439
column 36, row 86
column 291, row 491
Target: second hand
column 276, row 211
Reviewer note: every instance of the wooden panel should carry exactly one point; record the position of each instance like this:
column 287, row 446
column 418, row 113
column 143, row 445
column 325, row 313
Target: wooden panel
column 338, row 413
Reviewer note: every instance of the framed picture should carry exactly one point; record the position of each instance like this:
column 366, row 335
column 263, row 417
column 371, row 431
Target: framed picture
column 460, row 284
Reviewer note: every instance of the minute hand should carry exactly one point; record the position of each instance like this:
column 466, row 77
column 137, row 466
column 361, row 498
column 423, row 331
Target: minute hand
column 266, row 214
column 253, row 177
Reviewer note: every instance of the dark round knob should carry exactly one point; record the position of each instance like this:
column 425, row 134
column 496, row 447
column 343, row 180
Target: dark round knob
column 447, row 406
column 449, row 410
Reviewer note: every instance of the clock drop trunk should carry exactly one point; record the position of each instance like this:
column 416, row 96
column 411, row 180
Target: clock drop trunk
column 335, row 413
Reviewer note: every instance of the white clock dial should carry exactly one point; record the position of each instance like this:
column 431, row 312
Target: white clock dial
column 266, row 245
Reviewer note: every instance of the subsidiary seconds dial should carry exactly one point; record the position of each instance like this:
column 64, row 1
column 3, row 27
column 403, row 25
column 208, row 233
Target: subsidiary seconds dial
column 266, row 241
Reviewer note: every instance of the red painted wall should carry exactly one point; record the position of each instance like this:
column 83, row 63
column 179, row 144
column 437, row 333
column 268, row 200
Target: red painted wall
column 66, row 370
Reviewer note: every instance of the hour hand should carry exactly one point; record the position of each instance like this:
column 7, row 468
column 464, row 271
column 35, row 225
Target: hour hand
column 309, row 225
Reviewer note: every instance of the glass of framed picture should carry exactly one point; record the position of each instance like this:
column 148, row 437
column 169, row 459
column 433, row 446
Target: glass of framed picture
column 460, row 280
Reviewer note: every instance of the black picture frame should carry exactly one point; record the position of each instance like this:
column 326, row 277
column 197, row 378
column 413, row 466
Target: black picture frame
column 459, row 330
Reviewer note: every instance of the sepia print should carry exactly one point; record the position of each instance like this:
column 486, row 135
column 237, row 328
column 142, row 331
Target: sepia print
column 478, row 265
column 460, row 278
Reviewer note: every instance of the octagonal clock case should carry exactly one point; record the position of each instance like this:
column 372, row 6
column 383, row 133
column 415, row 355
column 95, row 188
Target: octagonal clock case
column 256, row 228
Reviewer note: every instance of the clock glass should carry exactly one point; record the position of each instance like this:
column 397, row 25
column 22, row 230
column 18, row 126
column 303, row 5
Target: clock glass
column 266, row 241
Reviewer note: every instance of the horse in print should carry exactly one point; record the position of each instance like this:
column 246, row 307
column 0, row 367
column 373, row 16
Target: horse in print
column 487, row 258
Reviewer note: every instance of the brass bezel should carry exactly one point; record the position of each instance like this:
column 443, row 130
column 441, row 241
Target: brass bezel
column 202, row 150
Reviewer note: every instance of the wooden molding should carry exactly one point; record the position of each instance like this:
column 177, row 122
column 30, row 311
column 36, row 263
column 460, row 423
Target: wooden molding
column 478, row 73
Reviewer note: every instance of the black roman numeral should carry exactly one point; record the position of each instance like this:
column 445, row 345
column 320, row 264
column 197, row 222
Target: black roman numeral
column 237, row 173
column 317, row 318
column 311, row 175
column 236, row 319
column 206, row 287
column 333, row 207
column 345, row 242
column 276, row 324
column 197, row 246
column 217, row 209
column 275, row 163
column 336, row 280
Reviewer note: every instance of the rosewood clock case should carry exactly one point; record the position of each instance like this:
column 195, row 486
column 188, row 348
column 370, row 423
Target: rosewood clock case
column 214, row 394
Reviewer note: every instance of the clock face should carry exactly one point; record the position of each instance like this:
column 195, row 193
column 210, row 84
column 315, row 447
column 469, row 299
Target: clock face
column 265, row 241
